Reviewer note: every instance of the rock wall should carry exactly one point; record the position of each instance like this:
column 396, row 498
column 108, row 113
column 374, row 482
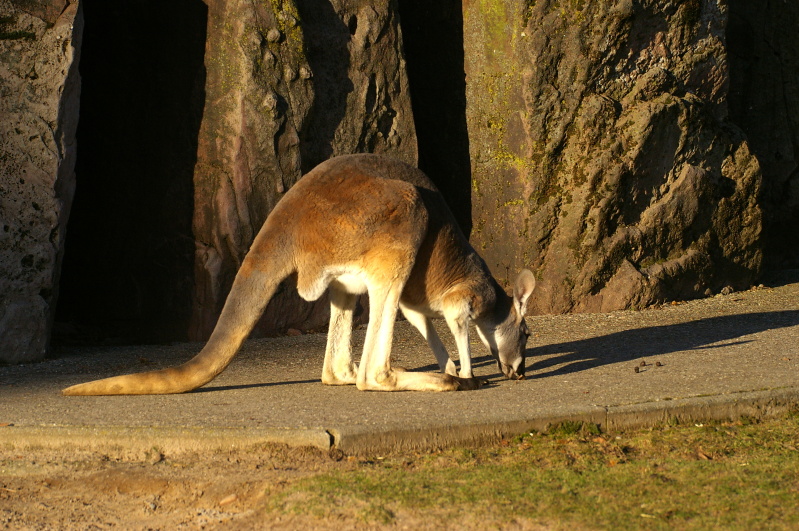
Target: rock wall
column 289, row 83
column 39, row 99
column 603, row 141
column 602, row 154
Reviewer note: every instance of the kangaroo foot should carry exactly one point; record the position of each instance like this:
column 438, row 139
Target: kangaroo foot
column 469, row 384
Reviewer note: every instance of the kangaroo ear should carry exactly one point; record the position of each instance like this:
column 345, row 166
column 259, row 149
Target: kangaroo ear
column 522, row 289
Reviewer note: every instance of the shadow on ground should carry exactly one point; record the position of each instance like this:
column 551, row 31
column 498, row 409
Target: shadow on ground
column 652, row 341
column 620, row 347
column 252, row 386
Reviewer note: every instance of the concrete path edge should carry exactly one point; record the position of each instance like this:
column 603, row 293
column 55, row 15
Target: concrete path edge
column 762, row 404
column 138, row 442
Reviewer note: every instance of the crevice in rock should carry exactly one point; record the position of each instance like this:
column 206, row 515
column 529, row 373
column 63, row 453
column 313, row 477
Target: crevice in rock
column 763, row 55
column 432, row 34
column 128, row 269
column 326, row 38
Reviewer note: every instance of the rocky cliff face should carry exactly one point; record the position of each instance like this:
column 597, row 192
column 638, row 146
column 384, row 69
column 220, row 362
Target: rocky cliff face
column 602, row 153
column 289, row 84
column 39, row 97
column 602, row 141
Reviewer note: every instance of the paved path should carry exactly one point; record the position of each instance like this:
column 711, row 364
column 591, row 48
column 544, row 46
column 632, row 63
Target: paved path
column 721, row 357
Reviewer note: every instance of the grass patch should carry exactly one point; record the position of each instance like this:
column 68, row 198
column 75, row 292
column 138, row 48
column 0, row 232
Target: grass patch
column 738, row 475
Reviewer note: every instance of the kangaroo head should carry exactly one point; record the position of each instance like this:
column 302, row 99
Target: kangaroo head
column 506, row 334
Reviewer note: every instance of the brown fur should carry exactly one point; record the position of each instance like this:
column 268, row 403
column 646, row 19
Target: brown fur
column 361, row 224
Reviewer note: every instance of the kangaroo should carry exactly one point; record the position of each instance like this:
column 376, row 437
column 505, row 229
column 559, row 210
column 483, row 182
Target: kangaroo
column 360, row 224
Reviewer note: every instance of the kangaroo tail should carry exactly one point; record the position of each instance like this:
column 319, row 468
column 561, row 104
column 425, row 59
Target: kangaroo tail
column 251, row 291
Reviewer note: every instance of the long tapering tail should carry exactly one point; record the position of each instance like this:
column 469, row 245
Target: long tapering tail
column 251, row 291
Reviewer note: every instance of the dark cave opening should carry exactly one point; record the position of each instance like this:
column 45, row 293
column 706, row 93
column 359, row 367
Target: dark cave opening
column 432, row 34
column 764, row 89
column 127, row 274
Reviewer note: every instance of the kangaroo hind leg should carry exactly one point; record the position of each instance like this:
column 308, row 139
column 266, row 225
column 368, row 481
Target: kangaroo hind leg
column 375, row 372
column 339, row 368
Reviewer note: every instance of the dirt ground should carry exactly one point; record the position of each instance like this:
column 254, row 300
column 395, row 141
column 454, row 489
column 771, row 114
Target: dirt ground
column 66, row 490
column 72, row 490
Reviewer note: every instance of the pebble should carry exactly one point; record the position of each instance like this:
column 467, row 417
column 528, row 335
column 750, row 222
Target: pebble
column 227, row 500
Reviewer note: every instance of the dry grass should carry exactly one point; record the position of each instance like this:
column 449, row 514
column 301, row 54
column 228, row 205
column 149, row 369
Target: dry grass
column 740, row 475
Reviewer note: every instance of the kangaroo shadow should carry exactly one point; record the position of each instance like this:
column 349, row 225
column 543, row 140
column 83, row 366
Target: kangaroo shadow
column 251, row 386
column 628, row 345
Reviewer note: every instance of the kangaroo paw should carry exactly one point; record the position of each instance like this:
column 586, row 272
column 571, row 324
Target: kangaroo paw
column 469, row 384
